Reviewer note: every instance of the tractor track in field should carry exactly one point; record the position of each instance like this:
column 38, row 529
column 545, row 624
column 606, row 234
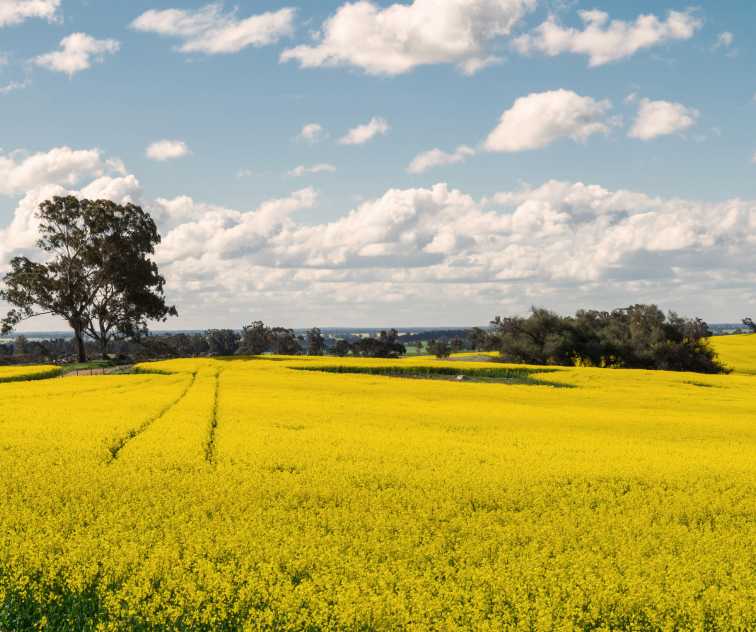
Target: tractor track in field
column 210, row 445
column 115, row 449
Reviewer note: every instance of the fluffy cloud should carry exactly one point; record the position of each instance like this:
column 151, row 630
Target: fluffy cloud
column 312, row 133
column 164, row 150
column 226, row 233
column 438, row 158
column 660, row 118
column 21, row 235
column 78, row 52
column 438, row 253
column 541, row 118
column 724, row 40
column 365, row 133
column 560, row 230
column 17, row 11
column 604, row 41
column 400, row 37
column 14, row 85
column 303, row 170
column 211, row 31
column 60, row 166
column 420, row 249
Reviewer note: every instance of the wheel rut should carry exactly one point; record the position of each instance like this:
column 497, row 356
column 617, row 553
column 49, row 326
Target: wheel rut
column 119, row 444
column 210, row 445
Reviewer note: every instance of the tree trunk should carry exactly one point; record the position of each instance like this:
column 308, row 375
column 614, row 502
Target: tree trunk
column 104, row 346
column 80, row 345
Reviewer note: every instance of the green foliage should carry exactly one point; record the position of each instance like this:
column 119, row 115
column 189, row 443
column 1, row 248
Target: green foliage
column 315, row 342
column 223, row 342
column 386, row 345
column 439, row 348
column 639, row 337
column 283, row 341
column 258, row 338
column 97, row 275
column 342, row 348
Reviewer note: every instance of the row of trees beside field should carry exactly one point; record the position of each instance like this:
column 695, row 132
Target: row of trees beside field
column 252, row 340
column 258, row 338
column 638, row 337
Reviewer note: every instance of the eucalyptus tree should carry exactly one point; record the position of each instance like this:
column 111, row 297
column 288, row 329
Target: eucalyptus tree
column 97, row 273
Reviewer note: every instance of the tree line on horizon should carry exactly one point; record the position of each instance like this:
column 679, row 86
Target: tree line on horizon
column 99, row 276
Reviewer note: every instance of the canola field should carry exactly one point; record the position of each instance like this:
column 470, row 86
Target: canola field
column 248, row 494
column 27, row 373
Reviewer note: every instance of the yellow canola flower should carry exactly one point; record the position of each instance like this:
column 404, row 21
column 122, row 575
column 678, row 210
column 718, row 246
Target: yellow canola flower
column 249, row 494
column 737, row 352
column 27, row 373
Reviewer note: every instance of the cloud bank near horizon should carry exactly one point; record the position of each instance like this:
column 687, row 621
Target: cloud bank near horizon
column 424, row 251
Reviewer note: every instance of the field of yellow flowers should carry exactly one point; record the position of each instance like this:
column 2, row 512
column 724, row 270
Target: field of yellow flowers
column 27, row 373
column 251, row 494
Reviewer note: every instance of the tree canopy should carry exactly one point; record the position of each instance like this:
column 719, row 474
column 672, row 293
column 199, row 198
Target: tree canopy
column 97, row 274
column 386, row 345
column 639, row 336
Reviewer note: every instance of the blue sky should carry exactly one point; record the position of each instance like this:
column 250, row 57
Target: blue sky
column 688, row 174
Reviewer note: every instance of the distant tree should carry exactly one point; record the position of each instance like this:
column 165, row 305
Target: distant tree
column 182, row 343
column 439, row 348
column 97, row 273
column 255, row 339
column 284, row 341
column 198, row 344
column 391, row 344
column 21, row 346
column 222, row 342
column 386, row 345
column 480, row 339
column 315, row 342
column 149, row 346
column 748, row 322
column 639, row 336
column 342, row 348
column 543, row 338
column 457, row 345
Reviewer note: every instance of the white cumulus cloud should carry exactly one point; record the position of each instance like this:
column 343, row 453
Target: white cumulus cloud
column 163, row 150
column 61, row 166
column 439, row 158
column 395, row 39
column 541, row 118
column 21, row 234
column 605, row 41
column 724, row 40
column 212, row 31
column 303, row 170
column 78, row 52
column 365, row 133
column 312, row 133
column 17, row 11
column 435, row 252
column 13, row 86
column 660, row 118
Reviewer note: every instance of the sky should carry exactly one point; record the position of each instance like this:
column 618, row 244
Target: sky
column 368, row 163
